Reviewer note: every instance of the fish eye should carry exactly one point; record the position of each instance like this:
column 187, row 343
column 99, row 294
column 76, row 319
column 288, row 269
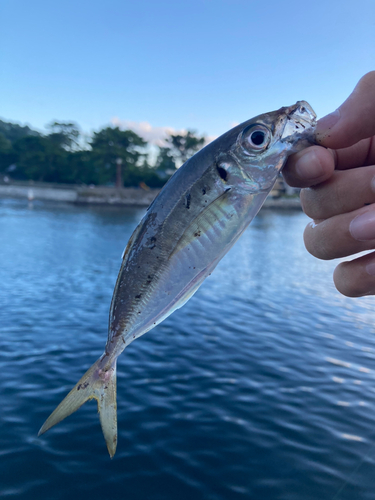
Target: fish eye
column 256, row 138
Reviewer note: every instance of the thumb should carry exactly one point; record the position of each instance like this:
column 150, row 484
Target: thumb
column 353, row 120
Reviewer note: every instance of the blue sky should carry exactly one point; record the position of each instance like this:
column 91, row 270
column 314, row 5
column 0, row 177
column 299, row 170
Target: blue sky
column 203, row 65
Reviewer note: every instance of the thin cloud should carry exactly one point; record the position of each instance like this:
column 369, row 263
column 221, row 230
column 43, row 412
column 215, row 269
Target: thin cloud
column 153, row 135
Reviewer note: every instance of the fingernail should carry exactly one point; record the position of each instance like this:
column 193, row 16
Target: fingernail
column 370, row 269
column 326, row 124
column 308, row 166
column 362, row 228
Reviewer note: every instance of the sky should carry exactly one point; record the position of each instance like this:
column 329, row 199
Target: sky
column 164, row 65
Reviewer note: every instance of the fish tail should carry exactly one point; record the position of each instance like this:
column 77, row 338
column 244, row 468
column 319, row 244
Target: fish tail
column 99, row 382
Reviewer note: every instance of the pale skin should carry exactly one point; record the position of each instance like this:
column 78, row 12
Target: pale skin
column 339, row 189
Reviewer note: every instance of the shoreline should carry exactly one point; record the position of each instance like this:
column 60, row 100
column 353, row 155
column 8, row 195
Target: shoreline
column 107, row 196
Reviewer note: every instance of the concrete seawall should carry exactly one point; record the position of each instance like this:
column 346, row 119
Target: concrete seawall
column 107, row 195
column 38, row 193
column 80, row 195
column 112, row 196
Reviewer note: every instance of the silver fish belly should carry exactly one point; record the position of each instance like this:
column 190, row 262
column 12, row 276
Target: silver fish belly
column 197, row 217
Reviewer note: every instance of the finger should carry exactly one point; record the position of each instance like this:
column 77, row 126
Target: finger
column 360, row 154
column 356, row 278
column 316, row 164
column 353, row 120
column 342, row 235
column 345, row 191
column 309, row 167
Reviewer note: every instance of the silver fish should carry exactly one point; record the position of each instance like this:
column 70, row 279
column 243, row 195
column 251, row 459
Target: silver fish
column 197, row 217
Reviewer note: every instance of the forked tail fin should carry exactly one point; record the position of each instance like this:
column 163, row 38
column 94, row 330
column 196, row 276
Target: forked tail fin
column 99, row 382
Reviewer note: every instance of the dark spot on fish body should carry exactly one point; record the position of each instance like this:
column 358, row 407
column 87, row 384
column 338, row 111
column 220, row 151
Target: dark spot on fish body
column 187, row 200
column 138, row 296
column 204, row 191
column 198, row 233
column 151, row 243
column 222, row 172
column 82, row 386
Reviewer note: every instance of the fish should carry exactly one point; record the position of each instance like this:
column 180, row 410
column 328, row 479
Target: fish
column 194, row 221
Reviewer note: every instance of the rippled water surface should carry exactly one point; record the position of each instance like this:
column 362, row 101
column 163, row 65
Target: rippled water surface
column 262, row 386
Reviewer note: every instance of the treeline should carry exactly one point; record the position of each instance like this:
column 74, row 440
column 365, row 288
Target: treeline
column 62, row 155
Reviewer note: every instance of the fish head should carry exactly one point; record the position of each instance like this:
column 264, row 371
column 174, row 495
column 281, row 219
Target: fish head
column 262, row 145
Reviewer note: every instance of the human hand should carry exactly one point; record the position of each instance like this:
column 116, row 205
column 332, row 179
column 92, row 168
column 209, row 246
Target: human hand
column 339, row 192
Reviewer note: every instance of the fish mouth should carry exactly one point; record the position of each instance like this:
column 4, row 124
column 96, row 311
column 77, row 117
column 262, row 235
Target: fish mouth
column 299, row 128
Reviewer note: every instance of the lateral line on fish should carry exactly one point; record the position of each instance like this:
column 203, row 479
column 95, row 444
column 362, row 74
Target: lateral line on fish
column 209, row 207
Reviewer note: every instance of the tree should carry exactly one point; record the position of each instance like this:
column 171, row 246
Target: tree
column 38, row 158
column 110, row 144
column 182, row 147
column 13, row 132
column 61, row 157
column 165, row 164
column 6, row 153
column 82, row 167
column 65, row 135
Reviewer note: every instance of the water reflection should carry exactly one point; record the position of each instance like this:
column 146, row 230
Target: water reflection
column 351, row 437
